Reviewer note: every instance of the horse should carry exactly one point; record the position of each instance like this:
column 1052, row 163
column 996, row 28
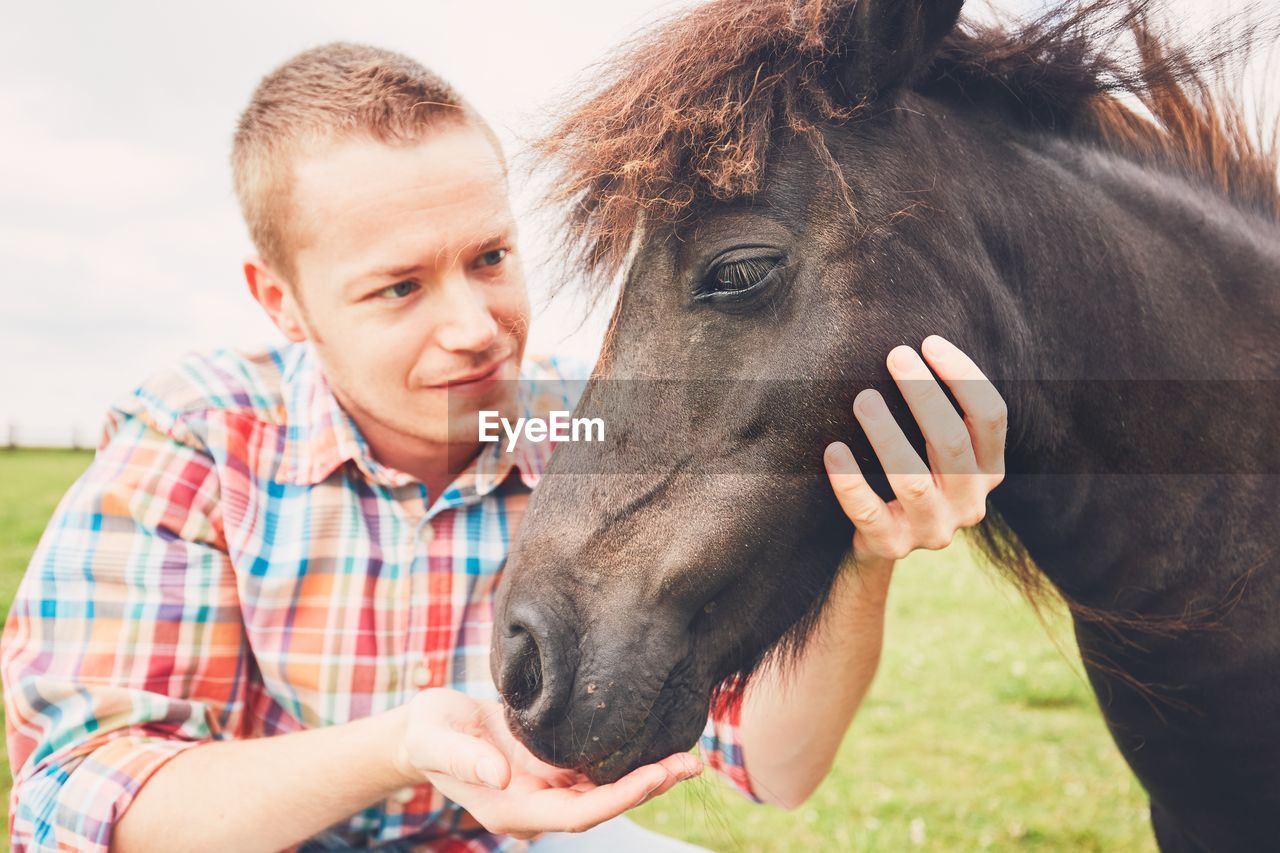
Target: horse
column 780, row 193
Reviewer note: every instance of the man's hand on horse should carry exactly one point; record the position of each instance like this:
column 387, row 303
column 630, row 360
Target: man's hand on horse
column 965, row 450
column 461, row 745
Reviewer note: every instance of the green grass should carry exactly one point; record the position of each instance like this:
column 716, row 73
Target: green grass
column 31, row 484
column 978, row 733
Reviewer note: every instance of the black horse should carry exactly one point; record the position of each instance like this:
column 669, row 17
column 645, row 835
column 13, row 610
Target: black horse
column 790, row 190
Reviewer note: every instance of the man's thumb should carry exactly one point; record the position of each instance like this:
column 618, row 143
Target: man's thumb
column 474, row 761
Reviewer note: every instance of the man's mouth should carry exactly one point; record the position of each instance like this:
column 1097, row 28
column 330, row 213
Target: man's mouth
column 476, row 380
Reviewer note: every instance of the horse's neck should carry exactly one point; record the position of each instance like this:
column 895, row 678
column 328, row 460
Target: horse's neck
column 1138, row 275
column 1143, row 270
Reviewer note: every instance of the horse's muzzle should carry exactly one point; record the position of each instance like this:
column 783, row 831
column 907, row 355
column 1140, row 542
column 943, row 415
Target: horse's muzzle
column 601, row 698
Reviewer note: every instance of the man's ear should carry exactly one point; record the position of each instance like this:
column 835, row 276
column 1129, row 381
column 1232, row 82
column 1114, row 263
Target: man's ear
column 885, row 43
column 276, row 298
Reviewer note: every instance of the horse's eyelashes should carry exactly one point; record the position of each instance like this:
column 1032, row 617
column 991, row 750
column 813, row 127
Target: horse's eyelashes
column 737, row 277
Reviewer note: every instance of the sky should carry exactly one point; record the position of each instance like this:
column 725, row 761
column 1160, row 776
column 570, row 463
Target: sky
column 120, row 239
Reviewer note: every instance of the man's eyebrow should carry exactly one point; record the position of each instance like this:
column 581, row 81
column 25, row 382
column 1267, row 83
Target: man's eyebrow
column 500, row 234
column 497, row 235
column 392, row 272
column 358, row 284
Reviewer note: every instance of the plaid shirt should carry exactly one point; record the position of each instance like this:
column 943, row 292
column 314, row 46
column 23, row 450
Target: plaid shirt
column 235, row 564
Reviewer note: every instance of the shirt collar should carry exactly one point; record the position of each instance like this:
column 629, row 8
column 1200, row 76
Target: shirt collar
column 320, row 436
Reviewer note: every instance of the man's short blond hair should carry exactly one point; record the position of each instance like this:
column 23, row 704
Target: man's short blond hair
column 328, row 94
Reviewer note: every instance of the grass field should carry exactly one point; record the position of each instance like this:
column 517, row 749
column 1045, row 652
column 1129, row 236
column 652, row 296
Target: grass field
column 979, row 732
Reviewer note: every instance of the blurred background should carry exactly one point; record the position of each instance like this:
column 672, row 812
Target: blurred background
column 120, row 249
column 120, row 239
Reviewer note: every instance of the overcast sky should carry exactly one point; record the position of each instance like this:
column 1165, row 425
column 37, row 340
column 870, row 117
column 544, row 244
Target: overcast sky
column 120, row 241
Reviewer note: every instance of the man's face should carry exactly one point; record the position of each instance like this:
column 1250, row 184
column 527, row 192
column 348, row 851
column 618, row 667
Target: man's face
column 408, row 281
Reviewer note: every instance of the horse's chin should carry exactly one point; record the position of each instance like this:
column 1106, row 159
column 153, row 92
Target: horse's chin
column 613, row 767
column 673, row 725
column 651, row 744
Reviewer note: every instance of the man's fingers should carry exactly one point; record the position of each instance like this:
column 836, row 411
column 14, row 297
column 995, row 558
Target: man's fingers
column 566, row 810
column 628, row 791
column 952, row 457
column 932, row 500
column 985, row 411
column 469, row 759
column 671, row 782
column 911, row 480
column 950, row 445
column 869, row 514
column 682, row 764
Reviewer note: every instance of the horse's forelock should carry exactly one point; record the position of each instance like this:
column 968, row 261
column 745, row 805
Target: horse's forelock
column 688, row 111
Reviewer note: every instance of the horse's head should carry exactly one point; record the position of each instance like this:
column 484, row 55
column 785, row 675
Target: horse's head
column 760, row 296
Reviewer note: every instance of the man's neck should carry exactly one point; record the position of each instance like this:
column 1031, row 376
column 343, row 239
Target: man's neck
column 434, row 464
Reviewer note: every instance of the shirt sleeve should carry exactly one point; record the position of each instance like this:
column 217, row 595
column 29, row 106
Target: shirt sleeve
column 721, row 742
column 124, row 645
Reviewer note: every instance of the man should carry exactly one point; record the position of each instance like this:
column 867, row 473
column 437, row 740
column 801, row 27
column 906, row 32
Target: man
column 261, row 618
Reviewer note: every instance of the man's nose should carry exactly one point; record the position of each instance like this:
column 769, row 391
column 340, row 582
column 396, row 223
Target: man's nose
column 466, row 323
column 535, row 665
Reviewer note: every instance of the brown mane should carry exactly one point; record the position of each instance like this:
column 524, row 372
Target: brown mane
column 692, row 108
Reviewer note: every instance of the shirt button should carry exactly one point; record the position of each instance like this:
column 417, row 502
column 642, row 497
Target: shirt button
column 428, row 532
column 422, row 675
column 404, row 795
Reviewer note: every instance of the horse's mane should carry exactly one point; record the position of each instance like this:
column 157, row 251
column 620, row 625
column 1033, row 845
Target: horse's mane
column 693, row 107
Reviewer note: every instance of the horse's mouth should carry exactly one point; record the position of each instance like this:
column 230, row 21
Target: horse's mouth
column 600, row 769
column 643, row 746
column 651, row 740
column 617, row 764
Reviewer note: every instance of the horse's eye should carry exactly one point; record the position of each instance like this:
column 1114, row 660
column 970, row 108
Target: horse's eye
column 735, row 278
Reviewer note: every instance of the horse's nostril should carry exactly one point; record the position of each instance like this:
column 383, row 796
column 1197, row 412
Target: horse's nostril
column 523, row 681
column 534, row 674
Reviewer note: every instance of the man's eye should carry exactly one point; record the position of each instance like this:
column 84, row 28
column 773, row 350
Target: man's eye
column 737, row 277
column 492, row 258
column 399, row 290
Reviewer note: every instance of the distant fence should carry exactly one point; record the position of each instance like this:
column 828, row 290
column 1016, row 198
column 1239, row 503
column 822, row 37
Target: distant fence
column 30, row 435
